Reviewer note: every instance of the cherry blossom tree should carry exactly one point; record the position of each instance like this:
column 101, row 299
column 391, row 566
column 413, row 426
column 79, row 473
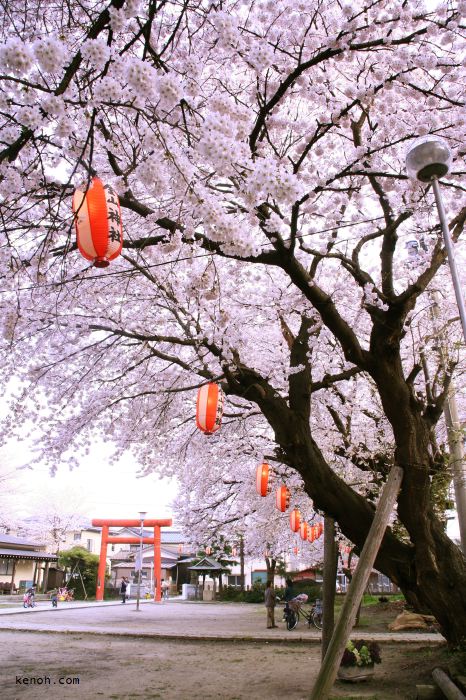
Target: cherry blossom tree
column 258, row 153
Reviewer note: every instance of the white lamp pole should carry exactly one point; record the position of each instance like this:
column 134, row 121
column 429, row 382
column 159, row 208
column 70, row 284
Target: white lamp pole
column 428, row 159
column 142, row 515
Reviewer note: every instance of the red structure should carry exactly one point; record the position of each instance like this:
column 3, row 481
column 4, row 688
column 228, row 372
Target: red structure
column 106, row 539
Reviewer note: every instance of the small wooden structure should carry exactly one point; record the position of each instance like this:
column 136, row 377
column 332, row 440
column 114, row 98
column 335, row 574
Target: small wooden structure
column 207, row 567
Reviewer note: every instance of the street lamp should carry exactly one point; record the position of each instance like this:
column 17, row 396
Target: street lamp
column 428, row 159
column 142, row 515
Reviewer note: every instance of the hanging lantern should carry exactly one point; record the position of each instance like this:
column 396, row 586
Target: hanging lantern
column 282, row 498
column 263, row 485
column 267, row 553
column 209, row 408
column 320, row 528
column 180, row 549
column 98, row 223
column 295, row 519
column 208, row 550
column 303, row 531
column 295, row 550
column 234, row 552
column 311, row 534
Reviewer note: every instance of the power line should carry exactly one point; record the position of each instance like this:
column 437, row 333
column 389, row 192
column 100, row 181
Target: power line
column 177, row 260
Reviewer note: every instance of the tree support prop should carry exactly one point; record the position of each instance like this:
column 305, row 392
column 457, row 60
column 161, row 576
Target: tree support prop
column 446, row 685
column 331, row 662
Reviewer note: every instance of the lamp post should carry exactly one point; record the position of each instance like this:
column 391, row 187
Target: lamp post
column 142, row 515
column 428, row 159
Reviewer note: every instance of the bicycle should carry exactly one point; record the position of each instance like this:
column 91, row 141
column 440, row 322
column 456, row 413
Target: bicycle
column 28, row 601
column 294, row 610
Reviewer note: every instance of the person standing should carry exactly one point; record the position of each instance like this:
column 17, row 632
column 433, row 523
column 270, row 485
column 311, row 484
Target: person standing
column 289, row 594
column 165, row 588
column 123, row 587
column 270, row 599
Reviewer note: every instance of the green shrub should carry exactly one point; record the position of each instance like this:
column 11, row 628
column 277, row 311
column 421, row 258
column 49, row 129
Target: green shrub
column 232, row 594
column 310, row 587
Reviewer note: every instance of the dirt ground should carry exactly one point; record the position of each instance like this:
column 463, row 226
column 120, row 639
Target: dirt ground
column 40, row 666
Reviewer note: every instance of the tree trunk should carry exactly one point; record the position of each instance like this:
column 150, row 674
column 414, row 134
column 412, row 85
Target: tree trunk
column 271, row 565
column 241, row 562
column 430, row 569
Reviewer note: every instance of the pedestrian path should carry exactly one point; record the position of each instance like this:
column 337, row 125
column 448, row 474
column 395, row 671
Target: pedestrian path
column 178, row 619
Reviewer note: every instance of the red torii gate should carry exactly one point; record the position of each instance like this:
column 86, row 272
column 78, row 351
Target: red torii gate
column 106, row 539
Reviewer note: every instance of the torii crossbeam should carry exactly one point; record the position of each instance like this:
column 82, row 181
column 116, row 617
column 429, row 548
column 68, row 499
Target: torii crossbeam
column 105, row 524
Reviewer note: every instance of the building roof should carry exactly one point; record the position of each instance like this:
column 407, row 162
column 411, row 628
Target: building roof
column 206, row 564
column 11, row 541
column 7, row 553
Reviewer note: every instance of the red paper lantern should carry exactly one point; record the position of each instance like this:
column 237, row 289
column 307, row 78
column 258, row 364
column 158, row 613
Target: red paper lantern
column 263, row 479
column 282, row 498
column 295, row 520
column 208, row 550
column 320, row 529
column 295, row 550
column 98, row 223
column 303, row 531
column 209, row 408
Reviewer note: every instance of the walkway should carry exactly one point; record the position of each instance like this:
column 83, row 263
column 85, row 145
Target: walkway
column 176, row 619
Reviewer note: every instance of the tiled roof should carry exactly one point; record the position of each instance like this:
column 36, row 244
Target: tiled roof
column 6, row 553
column 10, row 540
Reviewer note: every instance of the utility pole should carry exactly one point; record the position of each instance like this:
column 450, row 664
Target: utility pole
column 455, row 436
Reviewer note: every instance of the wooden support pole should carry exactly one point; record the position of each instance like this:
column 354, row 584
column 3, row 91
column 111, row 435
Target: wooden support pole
column 446, row 685
column 331, row 662
column 328, row 588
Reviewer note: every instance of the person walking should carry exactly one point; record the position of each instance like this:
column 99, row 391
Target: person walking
column 123, row 587
column 165, row 588
column 270, row 599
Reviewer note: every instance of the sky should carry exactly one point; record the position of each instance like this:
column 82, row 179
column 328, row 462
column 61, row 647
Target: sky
column 95, row 488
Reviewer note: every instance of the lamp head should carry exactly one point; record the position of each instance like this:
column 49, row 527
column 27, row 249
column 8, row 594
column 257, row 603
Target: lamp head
column 142, row 514
column 428, row 157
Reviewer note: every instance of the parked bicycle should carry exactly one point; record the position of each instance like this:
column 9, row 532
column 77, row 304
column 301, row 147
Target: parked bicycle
column 294, row 610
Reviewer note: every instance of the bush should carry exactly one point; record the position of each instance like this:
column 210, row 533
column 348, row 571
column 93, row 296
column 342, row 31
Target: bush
column 310, row 587
column 254, row 595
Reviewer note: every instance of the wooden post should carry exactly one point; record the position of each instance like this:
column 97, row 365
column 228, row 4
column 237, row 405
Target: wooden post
column 328, row 588
column 446, row 685
column 12, row 584
column 331, row 662
column 46, row 577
